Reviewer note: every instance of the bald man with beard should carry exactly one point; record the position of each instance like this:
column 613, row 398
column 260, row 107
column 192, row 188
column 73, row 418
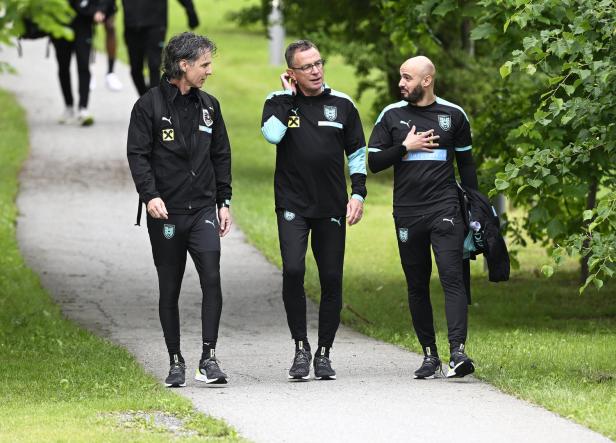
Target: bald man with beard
column 420, row 136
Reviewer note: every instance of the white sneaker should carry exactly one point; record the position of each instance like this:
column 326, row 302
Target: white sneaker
column 84, row 118
column 68, row 116
column 113, row 82
column 92, row 83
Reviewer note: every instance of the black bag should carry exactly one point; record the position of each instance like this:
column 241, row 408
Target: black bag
column 483, row 235
column 31, row 32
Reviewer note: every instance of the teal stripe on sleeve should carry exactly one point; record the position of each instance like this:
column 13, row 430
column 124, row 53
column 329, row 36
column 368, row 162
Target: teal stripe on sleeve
column 357, row 162
column 273, row 130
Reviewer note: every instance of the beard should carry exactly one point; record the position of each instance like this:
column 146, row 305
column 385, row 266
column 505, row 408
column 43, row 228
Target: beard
column 415, row 95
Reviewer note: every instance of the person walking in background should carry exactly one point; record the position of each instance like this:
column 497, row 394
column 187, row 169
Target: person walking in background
column 112, row 81
column 426, row 204
column 145, row 27
column 180, row 159
column 88, row 12
column 314, row 128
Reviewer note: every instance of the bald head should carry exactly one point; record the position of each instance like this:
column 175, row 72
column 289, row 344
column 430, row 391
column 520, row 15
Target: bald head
column 417, row 80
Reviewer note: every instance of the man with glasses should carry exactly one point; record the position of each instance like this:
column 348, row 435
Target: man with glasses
column 426, row 205
column 314, row 128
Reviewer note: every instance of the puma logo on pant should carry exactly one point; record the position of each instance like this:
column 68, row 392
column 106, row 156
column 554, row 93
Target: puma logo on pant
column 450, row 220
column 211, row 222
column 336, row 220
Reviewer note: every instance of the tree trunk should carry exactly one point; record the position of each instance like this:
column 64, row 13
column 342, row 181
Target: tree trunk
column 591, row 202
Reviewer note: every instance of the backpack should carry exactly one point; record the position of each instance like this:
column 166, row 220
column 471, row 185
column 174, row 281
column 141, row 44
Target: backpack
column 31, row 32
column 483, row 233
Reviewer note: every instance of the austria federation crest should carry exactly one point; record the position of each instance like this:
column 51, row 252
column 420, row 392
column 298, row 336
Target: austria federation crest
column 330, row 112
column 168, row 231
column 207, row 118
column 444, row 121
column 288, row 215
column 403, row 234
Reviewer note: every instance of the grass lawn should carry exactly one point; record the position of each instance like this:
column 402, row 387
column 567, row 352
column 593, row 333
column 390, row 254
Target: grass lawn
column 57, row 381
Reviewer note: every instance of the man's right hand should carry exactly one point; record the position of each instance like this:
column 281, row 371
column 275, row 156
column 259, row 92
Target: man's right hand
column 288, row 83
column 420, row 141
column 156, row 208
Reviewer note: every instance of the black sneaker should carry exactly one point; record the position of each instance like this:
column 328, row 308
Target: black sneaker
column 300, row 369
column 177, row 375
column 210, row 373
column 323, row 368
column 460, row 364
column 430, row 366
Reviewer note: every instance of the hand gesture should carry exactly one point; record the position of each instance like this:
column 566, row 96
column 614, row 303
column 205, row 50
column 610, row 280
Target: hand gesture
column 288, row 83
column 420, row 141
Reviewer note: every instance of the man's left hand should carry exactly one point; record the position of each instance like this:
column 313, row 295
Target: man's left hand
column 355, row 210
column 224, row 219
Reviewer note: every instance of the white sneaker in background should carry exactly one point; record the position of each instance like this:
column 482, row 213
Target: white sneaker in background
column 113, row 82
column 84, row 118
column 92, row 83
column 68, row 116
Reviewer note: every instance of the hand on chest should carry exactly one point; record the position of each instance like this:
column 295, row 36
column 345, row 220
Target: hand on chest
column 441, row 123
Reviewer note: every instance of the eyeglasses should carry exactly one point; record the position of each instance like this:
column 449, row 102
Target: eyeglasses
column 307, row 68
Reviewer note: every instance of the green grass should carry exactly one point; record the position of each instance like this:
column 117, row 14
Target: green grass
column 57, row 381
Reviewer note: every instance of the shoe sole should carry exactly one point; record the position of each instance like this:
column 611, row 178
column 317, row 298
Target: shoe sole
column 298, row 377
column 87, row 122
column 429, row 377
column 462, row 369
column 325, row 377
column 175, row 385
column 211, row 381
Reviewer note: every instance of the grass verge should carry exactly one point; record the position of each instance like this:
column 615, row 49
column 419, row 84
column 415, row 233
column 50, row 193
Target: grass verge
column 531, row 337
column 57, row 381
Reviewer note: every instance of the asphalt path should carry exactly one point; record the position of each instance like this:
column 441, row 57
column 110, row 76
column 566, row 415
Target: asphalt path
column 77, row 206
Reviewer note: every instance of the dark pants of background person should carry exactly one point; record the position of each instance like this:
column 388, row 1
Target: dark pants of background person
column 145, row 42
column 327, row 242
column 443, row 229
column 81, row 45
column 171, row 239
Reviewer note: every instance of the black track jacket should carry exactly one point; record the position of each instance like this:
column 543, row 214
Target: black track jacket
column 187, row 176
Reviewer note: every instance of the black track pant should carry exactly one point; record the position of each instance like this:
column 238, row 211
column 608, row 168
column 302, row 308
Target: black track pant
column 81, row 45
column 146, row 42
column 444, row 230
column 196, row 234
column 327, row 241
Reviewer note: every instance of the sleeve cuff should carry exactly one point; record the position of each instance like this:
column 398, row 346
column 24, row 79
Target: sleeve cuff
column 358, row 197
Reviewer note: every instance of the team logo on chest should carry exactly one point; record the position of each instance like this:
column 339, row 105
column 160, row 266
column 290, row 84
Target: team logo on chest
column 330, row 112
column 207, row 118
column 168, row 231
column 444, row 121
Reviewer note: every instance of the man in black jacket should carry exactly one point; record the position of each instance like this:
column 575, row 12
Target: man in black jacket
column 180, row 159
column 426, row 205
column 314, row 128
column 145, row 27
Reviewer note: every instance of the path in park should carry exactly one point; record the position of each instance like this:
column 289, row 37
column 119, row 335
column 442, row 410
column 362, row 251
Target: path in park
column 77, row 206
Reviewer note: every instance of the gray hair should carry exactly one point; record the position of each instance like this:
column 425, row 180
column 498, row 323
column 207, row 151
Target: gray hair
column 185, row 46
column 300, row 45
